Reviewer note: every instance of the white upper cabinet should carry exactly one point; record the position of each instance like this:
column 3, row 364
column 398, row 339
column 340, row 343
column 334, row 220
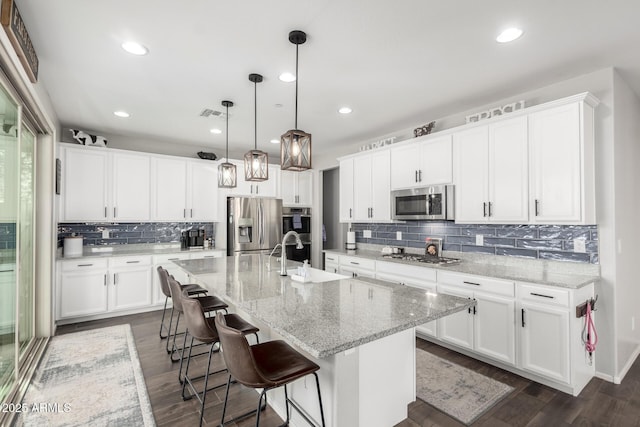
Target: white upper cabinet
column 371, row 187
column 491, row 173
column 169, row 188
column 84, row 187
column 562, row 164
column 131, row 180
column 104, row 185
column 422, row 163
column 296, row 188
column 202, row 195
column 346, row 190
column 268, row 188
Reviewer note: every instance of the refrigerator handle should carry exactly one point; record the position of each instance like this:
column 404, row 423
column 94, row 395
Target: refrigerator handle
column 260, row 223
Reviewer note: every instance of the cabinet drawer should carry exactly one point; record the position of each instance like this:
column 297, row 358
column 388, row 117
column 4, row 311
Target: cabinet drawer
column 411, row 271
column 166, row 259
column 206, row 254
column 543, row 295
column 85, row 264
column 130, row 261
column 477, row 283
column 368, row 264
column 331, row 258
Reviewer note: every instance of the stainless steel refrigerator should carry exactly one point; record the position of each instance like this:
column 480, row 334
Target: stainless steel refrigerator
column 254, row 225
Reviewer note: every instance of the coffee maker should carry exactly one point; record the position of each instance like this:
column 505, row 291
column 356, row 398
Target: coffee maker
column 193, row 239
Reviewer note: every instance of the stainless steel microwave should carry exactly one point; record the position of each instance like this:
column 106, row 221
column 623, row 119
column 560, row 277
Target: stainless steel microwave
column 424, row 203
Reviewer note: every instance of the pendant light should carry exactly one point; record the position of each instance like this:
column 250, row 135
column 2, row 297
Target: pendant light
column 295, row 144
column 226, row 170
column 256, row 162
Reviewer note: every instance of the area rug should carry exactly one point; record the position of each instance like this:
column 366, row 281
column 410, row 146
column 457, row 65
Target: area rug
column 455, row 390
column 88, row 378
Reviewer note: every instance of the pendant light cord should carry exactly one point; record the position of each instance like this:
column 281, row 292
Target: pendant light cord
column 227, row 132
column 296, row 124
column 255, row 115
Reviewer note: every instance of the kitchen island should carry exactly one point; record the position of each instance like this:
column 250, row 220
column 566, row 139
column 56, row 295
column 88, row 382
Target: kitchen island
column 360, row 332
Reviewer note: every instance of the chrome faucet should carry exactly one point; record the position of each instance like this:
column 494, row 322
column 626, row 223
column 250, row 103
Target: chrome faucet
column 283, row 258
column 272, row 251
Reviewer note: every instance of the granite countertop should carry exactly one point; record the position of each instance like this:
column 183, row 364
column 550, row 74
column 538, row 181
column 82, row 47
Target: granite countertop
column 325, row 318
column 563, row 275
column 135, row 249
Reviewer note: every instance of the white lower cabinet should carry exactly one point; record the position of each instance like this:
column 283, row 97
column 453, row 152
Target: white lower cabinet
column 331, row 263
column 356, row 266
column 489, row 327
column 88, row 287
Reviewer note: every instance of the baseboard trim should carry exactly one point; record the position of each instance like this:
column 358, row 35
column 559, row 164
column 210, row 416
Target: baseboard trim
column 617, row 379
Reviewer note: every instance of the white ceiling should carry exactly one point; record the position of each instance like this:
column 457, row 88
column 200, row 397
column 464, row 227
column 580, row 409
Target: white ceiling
column 398, row 64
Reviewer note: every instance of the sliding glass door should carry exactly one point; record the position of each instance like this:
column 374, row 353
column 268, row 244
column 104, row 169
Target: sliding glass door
column 17, row 233
column 9, row 168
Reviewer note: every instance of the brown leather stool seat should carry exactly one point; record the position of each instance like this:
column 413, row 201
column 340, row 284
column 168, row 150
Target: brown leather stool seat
column 209, row 304
column 203, row 329
column 192, row 288
column 267, row 365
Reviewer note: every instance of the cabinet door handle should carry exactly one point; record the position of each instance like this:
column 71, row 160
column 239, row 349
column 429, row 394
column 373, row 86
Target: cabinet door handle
column 6, row 271
column 115, row 212
column 354, row 263
column 105, row 280
column 522, row 313
column 475, row 307
column 489, row 208
column 115, row 279
column 105, row 211
column 85, row 265
column 541, row 295
column 184, row 213
column 209, row 256
column 484, row 209
column 133, row 262
column 416, row 176
column 257, row 189
column 192, row 213
column 420, row 175
column 471, row 283
column 172, row 259
column 350, row 213
column 537, row 209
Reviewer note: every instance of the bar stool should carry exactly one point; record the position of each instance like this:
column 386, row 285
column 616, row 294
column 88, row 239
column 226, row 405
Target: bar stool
column 209, row 303
column 203, row 329
column 267, row 366
column 193, row 289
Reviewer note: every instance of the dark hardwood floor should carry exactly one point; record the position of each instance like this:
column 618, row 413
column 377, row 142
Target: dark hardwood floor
column 530, row 404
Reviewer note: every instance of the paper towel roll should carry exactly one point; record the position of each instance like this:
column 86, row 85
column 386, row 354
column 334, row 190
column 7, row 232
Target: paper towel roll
column 351, row 240
column 73, row 246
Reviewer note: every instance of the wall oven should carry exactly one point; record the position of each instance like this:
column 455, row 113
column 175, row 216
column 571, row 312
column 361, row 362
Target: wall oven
column 298, row 220
column 425, row 203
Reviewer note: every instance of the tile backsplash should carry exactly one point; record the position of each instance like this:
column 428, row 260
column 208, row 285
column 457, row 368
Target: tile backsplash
column 131, row 233
column 553, row 242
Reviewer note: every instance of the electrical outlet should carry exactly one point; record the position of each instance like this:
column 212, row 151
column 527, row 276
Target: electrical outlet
column 366, row 234
column 398, row 235
column 479, row 240
column 105, row 234
column 580, row 245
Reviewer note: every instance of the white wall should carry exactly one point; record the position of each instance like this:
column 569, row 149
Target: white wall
column 627, row 206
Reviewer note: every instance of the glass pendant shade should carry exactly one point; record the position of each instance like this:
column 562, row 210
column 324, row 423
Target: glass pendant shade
column 227, row 175
column 256, row 162
column 295, row 150
column 256, row 166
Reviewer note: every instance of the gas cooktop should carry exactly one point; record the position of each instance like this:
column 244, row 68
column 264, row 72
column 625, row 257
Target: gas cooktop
column 427, row 259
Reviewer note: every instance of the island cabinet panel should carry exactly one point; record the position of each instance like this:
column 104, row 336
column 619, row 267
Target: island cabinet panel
column 331, row 262
column 356, row 266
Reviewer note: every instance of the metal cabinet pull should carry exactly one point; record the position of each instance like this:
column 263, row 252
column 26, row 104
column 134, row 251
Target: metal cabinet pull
column 522, row 312
column 541, row 295
column 416, row 176
column 420, row 175
column 489, row 208
column 115, row 279
column 350, row 213
column 115, row 212
column 6, row 271
column 354, row 263
column 484, row 209
column 209, row 256
column 133, row 262
column 184, row 213
column 105, row 211
column 537, row 210
column 471, row 283
column 172, row 259
column 85, row 265
column 191, row 213
column 105, row 280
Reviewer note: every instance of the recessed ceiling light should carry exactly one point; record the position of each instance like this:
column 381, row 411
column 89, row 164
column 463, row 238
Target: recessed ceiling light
column 345, row 110
column 509, row 35
column 275, row 141
column 121, row 114
column 216, row 131
column 287, row 77
column 135, row 48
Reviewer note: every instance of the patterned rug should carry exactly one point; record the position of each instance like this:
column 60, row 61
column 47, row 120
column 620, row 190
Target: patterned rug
column 455, row 390
column 89, row 378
